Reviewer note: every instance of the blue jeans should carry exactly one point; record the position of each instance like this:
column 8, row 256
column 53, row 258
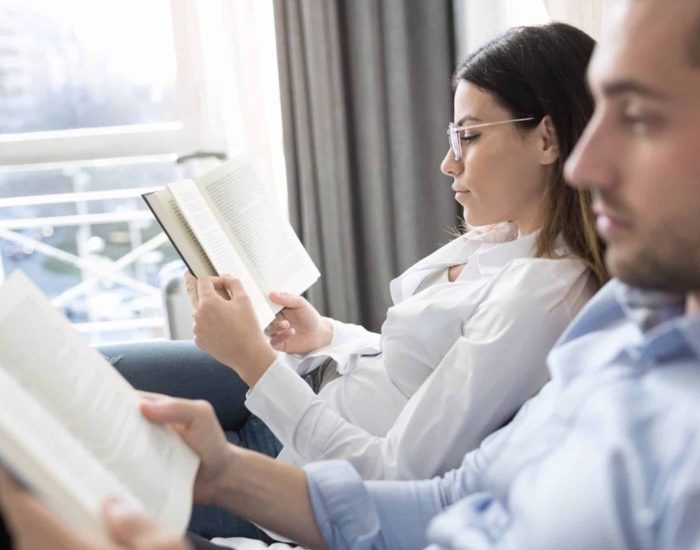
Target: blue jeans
column 179, row 368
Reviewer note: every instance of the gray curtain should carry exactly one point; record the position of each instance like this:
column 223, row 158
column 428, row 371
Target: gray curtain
column 366, row 101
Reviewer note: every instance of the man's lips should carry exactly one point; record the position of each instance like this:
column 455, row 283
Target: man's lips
column 609, row 221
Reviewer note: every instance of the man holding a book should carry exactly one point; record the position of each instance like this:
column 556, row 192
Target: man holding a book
column 607, row 455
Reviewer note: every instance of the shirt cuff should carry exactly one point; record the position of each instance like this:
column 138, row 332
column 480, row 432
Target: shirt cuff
column 347, row 340
column 280, row 398
column 345, row 332
column 344, row 512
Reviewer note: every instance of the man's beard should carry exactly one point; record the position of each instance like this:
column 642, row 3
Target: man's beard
column 661, row 262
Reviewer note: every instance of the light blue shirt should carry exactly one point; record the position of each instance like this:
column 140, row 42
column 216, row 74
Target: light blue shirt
column 607, row 455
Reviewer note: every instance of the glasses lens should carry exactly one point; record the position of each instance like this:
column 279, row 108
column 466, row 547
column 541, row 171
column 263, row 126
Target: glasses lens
column 455, row 143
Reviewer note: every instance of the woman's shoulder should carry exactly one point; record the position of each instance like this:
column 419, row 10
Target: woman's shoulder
column 542, row 284
column 540, row 269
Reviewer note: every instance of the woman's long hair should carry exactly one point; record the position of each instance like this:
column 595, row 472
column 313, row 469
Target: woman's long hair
column 540, row 71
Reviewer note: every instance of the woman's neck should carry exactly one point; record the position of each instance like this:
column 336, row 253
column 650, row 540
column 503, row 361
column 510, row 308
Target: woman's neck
column 527, row 228
column 532, row 216
column 528, row 223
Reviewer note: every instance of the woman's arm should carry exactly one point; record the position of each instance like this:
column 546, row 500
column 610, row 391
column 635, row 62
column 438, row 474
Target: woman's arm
column 229, row 331
column 490, row 371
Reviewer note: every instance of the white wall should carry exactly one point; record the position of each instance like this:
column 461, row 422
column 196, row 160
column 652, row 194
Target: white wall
column 477, row 21
column 584, row 14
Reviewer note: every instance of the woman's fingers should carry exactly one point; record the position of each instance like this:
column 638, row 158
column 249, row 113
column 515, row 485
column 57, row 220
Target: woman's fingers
column 279, row 341
column 286, row 300
column 191, row 286
column 277, row 326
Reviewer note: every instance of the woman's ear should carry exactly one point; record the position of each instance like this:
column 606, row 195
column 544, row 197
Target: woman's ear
column 548, row 142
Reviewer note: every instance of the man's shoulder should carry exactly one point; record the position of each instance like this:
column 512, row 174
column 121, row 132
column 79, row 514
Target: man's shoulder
column 600, row 313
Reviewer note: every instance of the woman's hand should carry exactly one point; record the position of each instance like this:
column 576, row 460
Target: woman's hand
column 191, row 286
column 228, row 329
column 298, row 328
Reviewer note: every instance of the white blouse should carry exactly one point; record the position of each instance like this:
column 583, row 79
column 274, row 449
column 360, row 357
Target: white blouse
column 453, row 363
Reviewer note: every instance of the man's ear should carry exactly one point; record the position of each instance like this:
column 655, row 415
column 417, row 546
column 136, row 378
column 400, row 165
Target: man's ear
column 548, row 143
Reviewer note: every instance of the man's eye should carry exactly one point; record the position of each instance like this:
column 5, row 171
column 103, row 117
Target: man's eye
column 635, row 123
column 469, row 137
column 639, row 123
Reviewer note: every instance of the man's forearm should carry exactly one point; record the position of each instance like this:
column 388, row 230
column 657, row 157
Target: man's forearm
column 270, row 493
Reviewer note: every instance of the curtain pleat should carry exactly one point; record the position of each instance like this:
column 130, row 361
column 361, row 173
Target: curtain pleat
column 365, row 102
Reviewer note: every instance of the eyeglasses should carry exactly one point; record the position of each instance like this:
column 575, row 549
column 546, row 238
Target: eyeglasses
column 453, row 131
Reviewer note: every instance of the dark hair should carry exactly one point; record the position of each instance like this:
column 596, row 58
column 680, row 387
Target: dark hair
column 540, row 71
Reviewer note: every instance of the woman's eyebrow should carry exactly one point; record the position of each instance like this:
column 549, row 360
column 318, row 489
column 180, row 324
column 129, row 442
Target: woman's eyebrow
column 468, row 118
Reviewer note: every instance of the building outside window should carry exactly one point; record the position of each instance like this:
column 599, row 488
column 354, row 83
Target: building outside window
column 97, row 102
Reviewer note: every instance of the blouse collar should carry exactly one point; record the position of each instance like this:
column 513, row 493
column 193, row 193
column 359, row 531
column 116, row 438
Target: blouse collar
column 485, row 250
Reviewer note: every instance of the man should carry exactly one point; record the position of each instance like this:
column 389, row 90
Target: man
column 608, row 454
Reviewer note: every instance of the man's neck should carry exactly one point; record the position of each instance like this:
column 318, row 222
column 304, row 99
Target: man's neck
column 692, row 303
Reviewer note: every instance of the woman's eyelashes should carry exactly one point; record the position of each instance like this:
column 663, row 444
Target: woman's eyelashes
column 469, row 137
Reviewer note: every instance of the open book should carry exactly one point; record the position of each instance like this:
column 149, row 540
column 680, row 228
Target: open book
column 70, row 426
column 224, row 223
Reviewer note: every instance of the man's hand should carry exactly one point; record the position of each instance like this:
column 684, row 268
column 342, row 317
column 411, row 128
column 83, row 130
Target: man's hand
column 198, row 426
column 137, row 531
column 298, row 328
column 228, row 329
column 34, row 527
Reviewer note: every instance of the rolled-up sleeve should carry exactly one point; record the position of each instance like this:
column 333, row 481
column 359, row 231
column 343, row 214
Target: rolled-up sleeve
column 356, row 515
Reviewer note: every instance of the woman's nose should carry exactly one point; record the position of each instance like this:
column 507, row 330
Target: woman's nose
column 449, row 166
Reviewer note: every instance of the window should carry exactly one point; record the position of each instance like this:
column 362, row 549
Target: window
column 80, row 232
column 97, row 99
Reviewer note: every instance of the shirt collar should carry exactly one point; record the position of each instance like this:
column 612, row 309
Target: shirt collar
column 459, row 250
column 490, row 257
column 648, row 308
column 484, row 249
column 661, row 319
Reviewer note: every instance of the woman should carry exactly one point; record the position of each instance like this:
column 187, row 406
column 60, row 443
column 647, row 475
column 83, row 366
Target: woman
column 465, row 343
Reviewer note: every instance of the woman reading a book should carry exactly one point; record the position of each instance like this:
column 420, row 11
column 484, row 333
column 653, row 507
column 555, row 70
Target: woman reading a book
column 464, row 344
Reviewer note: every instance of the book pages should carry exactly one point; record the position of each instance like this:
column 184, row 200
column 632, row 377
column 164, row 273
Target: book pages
column 167, row 212
column 39, row 450
column 219, row 248
column 266, row 241
column 81, row 390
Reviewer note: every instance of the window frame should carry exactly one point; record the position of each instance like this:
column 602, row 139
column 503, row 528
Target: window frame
column 193, row 130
